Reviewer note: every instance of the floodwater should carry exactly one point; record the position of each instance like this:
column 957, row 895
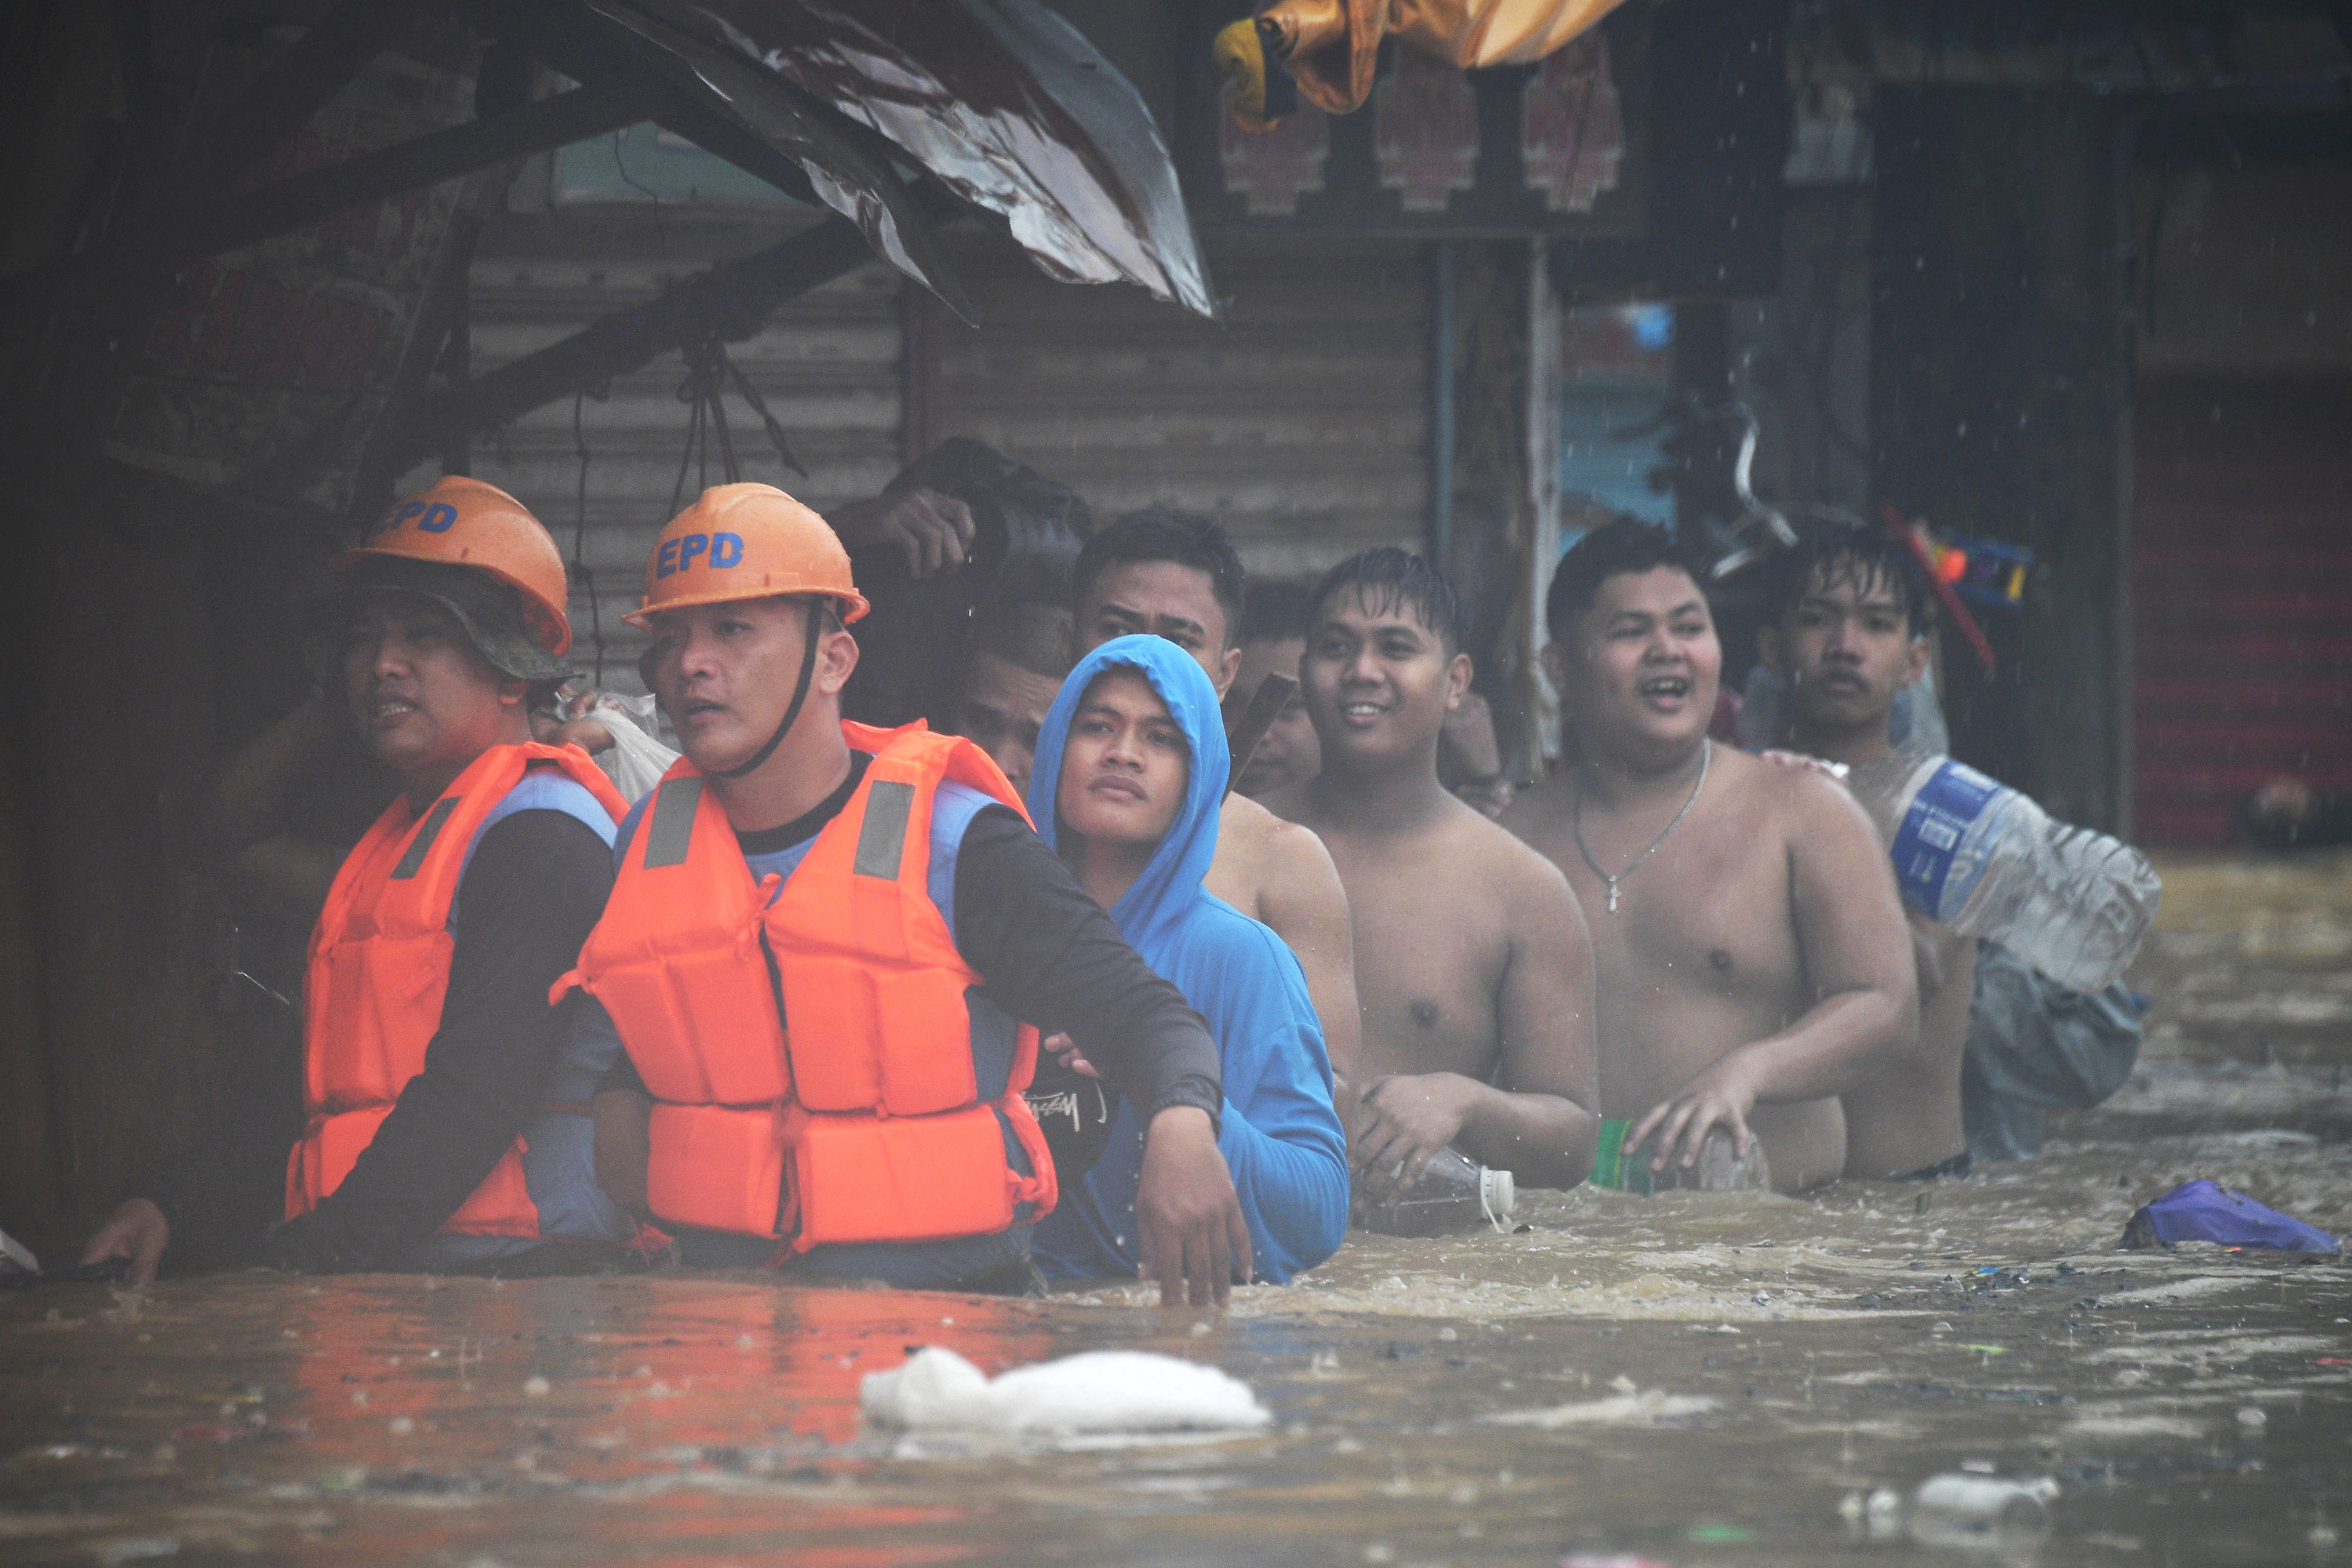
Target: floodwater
column 1689, row 1379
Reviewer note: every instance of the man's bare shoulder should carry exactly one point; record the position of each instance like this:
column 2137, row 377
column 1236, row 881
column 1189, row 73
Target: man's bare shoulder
column 1497, row 862
column 1285, row 861
column 1272, row 839
column 1814, row 809
column 1242, row 814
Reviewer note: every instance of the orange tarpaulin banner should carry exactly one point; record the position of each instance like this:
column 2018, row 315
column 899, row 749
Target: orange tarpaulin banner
column 1332, row 46
column 1467, row 34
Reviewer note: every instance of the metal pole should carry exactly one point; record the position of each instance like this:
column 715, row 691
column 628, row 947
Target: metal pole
column 1440, row 404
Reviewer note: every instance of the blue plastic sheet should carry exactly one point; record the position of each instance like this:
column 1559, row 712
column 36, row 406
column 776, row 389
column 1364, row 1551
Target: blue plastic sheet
column 2204, row 1211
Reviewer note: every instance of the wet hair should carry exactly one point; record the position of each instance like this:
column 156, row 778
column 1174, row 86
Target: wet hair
column 1165, row 533
column 1387, row 576
column 1276, row 612
column 1866, row 557
column 1626, row 545
column 1024, row 633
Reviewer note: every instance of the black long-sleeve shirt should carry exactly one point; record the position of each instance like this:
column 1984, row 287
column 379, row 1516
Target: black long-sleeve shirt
column 534, row 888
column 1048, row 955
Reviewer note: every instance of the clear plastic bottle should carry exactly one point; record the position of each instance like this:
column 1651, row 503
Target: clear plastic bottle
column 1977, row 1510
column 1984, row 860
column 1452, row 1195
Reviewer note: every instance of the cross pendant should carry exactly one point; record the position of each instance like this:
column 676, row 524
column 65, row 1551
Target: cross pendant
column 1612, row 895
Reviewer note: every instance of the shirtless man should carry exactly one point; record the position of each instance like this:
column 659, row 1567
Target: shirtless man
column 1473, row 965
column 1848, row 625
column 1175, row 574
column 1752, row 955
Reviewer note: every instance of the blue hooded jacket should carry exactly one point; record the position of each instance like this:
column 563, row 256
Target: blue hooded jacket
column 1280, row 1137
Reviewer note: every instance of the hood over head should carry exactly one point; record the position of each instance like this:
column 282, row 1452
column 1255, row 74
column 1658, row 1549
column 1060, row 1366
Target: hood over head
column 1170, row 883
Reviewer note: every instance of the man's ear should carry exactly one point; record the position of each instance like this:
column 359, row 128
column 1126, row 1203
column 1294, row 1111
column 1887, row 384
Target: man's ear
column 1229, row 663
column 1770, row 654
column 514, row 693
column 1553, row 659
column 1457, row 679
column 836, row 656
column 1915, row 665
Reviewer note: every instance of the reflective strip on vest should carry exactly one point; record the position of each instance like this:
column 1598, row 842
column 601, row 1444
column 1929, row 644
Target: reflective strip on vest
column 379, row 974
column 434, row 821
column 669, row 826
column 866, row 1122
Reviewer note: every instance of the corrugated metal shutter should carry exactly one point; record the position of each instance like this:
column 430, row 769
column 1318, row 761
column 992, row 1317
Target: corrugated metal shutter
column 1297, row 422
column 2242, row 593
column 827, row 363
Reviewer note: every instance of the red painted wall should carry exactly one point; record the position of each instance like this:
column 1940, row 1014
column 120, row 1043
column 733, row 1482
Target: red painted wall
column 2242, row 594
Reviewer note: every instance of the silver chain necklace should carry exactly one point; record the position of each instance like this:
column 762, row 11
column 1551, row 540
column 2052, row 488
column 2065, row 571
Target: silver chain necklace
column 1576, row 827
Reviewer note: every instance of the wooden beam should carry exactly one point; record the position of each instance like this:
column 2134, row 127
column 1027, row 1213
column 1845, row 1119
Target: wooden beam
column 733, row 301
column 556, row 121
column 194, row 230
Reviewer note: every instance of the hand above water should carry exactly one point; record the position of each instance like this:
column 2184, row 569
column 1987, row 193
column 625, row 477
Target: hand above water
column 1402, row 1120
column 1721, row 1096
column 137, row 1231
column 1191, row 1234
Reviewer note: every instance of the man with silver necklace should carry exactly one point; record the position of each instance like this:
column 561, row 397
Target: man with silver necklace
column 1751, row 951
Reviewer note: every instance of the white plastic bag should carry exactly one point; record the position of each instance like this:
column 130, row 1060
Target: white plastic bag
column 637, row 759
column 1093, row 1392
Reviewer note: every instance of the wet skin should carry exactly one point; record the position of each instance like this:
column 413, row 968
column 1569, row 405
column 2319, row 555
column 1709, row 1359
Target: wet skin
column 1264, row 868
column 1474, row 972
column 725, row 674
column 1124, row 773
column 1756, row 964
column 423, row 698
column 1847, row 649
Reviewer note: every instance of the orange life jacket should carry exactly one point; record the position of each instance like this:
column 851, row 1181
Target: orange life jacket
column 380, row 971
column 855, row 1116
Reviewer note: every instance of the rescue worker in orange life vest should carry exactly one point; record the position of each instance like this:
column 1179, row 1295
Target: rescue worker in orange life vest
column 446, row 1127
column 819, row 940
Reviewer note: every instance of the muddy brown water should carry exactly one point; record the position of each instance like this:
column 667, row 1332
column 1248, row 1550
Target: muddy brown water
column 1684, row 1380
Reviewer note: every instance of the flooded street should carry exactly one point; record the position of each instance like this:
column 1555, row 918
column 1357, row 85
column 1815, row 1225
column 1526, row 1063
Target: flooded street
column 1687, row 1379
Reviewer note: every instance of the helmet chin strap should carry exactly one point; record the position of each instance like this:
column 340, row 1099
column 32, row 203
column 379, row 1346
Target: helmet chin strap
column 800, row 696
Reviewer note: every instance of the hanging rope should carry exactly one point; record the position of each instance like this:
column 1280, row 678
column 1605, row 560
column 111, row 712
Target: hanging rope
column 709, row 373
column 580, row 574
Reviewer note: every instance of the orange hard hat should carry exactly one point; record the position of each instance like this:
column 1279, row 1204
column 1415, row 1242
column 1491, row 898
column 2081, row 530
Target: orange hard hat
column 460, row 521
column 746, row 542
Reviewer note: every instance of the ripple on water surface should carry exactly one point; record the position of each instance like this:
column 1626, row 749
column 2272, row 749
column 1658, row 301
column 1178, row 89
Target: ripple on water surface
column 1689, row 1379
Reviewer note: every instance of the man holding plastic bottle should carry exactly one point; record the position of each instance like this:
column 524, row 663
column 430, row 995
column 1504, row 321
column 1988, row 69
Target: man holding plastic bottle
column 1849, row 630
column 1849, row 621
column 820, row 939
